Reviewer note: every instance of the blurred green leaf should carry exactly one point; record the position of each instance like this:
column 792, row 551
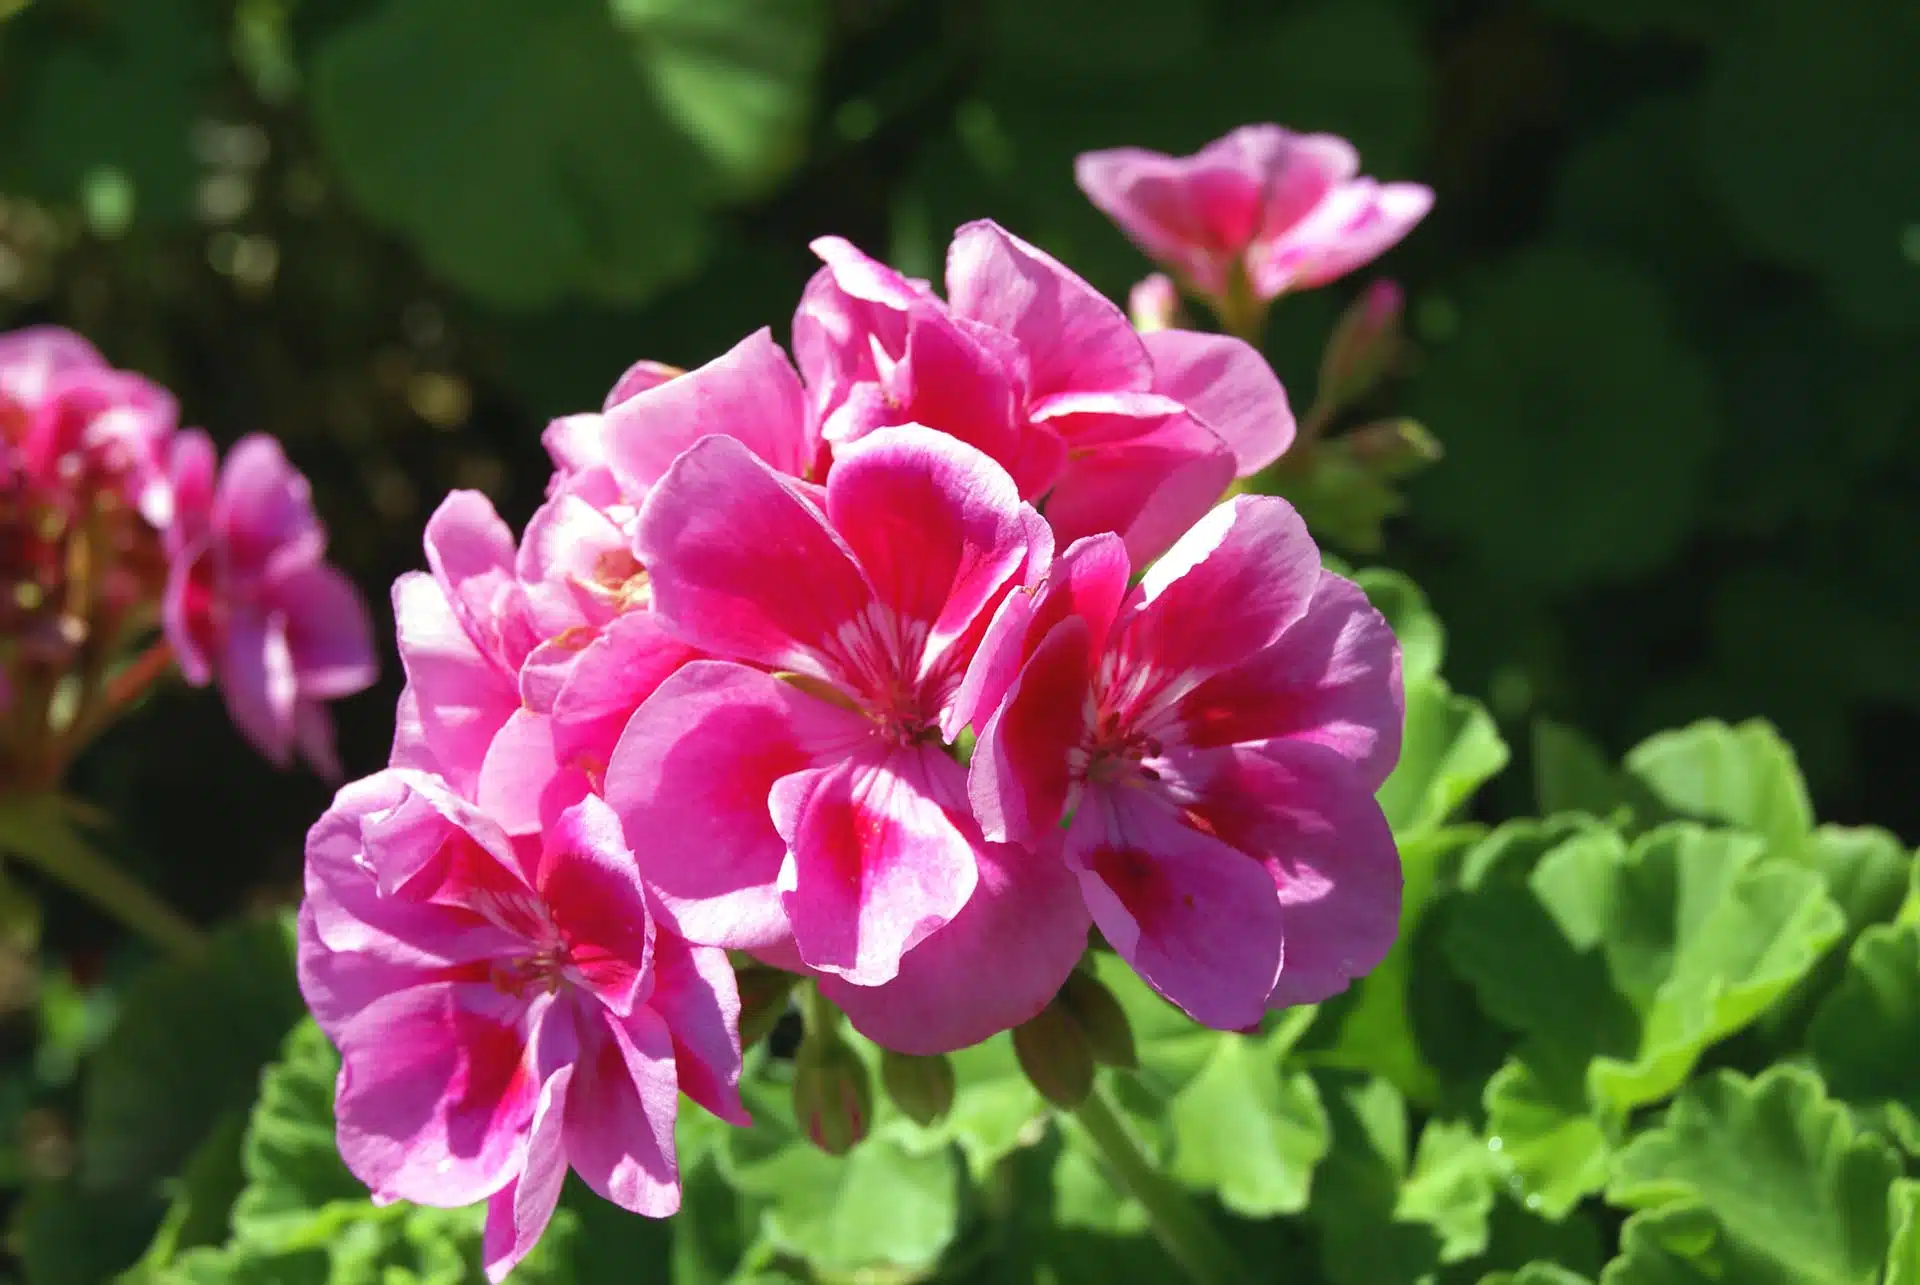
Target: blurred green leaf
column 1422, row 638
column 1358, row 1187
column 1866, row 1037
column 1449, row 750
column 192, row 1038
column 1762, row 1181
column 537, row 153
column 69, row 1235
column 1903, row 1212
column 1546, row 1131
column 1249, row 1130
column 1566, row 388
column 1808, row 137
column 1570, row 774
column 1536, row 1274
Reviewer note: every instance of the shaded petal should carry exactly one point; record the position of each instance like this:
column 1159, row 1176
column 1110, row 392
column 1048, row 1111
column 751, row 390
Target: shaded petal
column 638, row 378
column 1248, row 570
column 937, row 527
column 592, row 888
column 609, row 679
column 255, row 671
column 471, row 553
column 620, row 1115
column 1074, row 337
column 1230, row 388
column 1356, row 223
column 263, row 507
column 519, row 1212
column 436, row 1091
column 862, row 276
column 996, row 965
column 329, row 634
column 1089, row 580
column 951, row 382
column 881, row 853
column 690, row 779
column 1149, row 489
column 1197, row 919
column 744, row 566
column 461, row 695
column 749, row 393
column 313, row 739
column 1305, row 813
column 695, row 992
column 574, row 562
column 1332, row 679
column 1022, row 772
column 518, row 764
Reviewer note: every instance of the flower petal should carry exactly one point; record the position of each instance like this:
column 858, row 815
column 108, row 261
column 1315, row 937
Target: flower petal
column 694, row 991
column 1197, row 919
column 329, row 634
column 263, row 507
column 592, row 889
column 519, row 1212
column 750, row 393
column 1074, row 338
column 1149, row 489
column 1021, row 773
column 881, row 853
column 1332, row 679
column 255, row 670
column 996, row 965
column 620, row 1115
column 743, row 566
column 1303, row 811
column 1230, row 388
column 690, row 779
column 612, row 676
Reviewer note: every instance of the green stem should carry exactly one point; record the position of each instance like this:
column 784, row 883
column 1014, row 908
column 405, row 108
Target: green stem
column 48, row 842
column 1178, row 1224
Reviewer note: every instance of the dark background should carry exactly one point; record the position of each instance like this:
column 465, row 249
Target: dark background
column 1666, row 311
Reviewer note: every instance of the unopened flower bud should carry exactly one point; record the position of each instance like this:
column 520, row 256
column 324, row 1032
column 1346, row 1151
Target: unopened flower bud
column 764, row 994
column 832, row 1095
column 1392, row 448
column 1364, row 344
column 1056, row 1056
column 1101, row 1019
column 1154, row 304
column 922, row 1087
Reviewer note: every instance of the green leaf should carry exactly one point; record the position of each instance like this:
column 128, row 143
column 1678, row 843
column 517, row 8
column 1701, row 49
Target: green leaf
column 1536, row 1274
column 68, row 1235
column 1571, row 774
column 295, row 1177
column 203, row 1197
column 1450, row 749
column 192, row 1038
column 1867, row 871
column 1789, row 79
column 1098, row 36
column 1249, row 1130
column 1451, row 1189
column 1422, row 638
column 1566, row 376
column 1357, row 1189
column 878, row 1205
column 1903, row 1212
column 1742, row 776
column 537, row 152
column 1621, row 966
column 1866, row 1037
column 1764, row 1182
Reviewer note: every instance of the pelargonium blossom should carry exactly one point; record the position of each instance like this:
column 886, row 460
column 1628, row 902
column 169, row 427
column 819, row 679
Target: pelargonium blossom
column 505, row 1008
column 796, row 795
column 251, row 602
column 1214, row 737
column 1103, row 428
column 1262, row 209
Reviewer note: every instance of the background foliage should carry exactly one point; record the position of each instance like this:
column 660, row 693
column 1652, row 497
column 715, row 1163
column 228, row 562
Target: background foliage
column 1668, row 316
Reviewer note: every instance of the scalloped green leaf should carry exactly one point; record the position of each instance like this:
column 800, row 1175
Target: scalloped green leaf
column 878, row 1206
column 295, row 1178
column 1566, row 374
column 1865, row 1038
column 192, row 1038
column 1867, row 871
column 1621, row 966
column 1764, row 1181
column 1451, row 1189
column 1903, row 1212
column 574, row 148
column 1743, row 776
column 1248, row 1130
column 1449, row 750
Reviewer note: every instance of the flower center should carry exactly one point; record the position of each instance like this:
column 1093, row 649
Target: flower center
column 1115, row 753
column 543, row 970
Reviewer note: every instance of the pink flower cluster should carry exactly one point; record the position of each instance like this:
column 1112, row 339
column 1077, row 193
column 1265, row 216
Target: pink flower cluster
column 112, row 521
column 716, row 697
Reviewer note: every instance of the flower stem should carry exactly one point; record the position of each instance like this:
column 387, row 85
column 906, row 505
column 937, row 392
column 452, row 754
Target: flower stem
column 37, row 829
column 1178, row 1224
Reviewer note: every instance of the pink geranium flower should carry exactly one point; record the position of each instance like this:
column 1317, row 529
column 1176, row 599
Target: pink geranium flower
column 251, row 602
column 1215, row 736
column 1262, row 209
column 1104, row 429
column 797, row 792
column 505, row 1008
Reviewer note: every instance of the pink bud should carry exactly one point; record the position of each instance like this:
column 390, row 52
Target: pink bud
column 1363, row 346
column 1154, row 304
